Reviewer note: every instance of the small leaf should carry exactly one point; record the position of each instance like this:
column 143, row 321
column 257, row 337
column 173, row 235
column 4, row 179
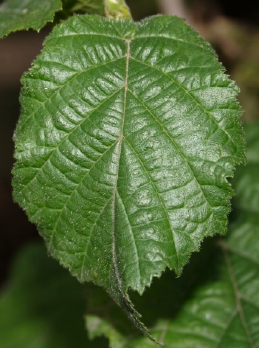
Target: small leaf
column 127, row 134
column 215, row 303
column 25, row 14
column 42, row 306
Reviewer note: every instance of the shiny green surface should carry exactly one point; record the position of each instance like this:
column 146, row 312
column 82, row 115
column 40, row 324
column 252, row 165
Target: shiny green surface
column 215, row 303
column 127, row 134
column 26, row 14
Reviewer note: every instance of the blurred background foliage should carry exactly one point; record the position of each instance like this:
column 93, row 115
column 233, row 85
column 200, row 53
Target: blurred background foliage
column 232, row 27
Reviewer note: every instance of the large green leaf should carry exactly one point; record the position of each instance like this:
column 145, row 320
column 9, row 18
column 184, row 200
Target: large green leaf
column 42, row 306
column 215, row 303
column 127, row 134
column 25, row 14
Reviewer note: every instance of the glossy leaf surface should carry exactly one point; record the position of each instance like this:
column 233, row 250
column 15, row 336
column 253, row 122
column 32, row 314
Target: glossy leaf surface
column 127, row 134
column 26, row 14
column 215, row 307
column 215, row 303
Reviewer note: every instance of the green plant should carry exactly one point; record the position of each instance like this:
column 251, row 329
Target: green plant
column 127, row 135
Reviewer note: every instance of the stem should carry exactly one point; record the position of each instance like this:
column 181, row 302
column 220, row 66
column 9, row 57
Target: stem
column 117, row 9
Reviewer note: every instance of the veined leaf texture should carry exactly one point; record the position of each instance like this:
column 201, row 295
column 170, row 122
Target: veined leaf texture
column 215, row 303
column 127, row 134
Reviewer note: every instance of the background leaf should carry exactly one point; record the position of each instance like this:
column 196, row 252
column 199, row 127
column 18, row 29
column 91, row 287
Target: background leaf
column 246, row 181
column 215, row 303
column 25, row 14
column 43, row 306
column 127, row 134
column 72, row 7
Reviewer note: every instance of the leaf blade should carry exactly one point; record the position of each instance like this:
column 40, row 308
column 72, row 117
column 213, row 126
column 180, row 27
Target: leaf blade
column 215, row 303
column 104, row 141
column 218, row 308
column 23, row 15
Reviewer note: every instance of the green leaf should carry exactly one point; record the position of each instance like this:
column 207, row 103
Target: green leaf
column 247, row 179
column 215, row 303
column 127, row 134
column 70, row 7
column 25, row 14
column 42, row 306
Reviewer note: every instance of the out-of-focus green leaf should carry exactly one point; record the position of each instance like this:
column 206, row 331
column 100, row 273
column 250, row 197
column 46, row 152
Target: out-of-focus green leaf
column 127, row 134
column 25, row 14
column 215, row 303
column 246, row 181
column 43, row 306
column 72, row 7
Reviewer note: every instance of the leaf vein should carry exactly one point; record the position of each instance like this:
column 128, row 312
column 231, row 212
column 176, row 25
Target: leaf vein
column 133, row 237
column 69, row 134
column 64, row 85
column 187, row 92
column 89, row 238
column 74, row 190
column 175, row 145
column 158, row 196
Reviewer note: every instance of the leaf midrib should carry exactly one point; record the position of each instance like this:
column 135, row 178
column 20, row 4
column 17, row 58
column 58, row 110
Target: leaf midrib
column 114, row 256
